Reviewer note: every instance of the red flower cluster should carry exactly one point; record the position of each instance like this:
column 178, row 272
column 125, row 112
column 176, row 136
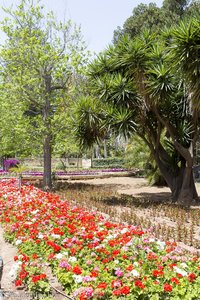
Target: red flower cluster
column 125, row 290
column 36, row 278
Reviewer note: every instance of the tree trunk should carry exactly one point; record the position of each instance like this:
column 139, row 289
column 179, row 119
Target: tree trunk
column 47, row 180
column 105, row 149
column 180, row 180
column 188, row 192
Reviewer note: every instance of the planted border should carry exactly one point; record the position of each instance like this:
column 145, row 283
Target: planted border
column 92, row 257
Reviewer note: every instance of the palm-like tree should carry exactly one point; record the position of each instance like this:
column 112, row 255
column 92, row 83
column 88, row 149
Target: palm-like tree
column 138, row 81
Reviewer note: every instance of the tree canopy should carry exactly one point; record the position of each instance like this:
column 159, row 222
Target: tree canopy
column 150, row 87
column 41, row 60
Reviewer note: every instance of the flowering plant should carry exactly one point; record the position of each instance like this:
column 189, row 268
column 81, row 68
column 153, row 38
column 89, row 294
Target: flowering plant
column 10, row 163
column 92, row 257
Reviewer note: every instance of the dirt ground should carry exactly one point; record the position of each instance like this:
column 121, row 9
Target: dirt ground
column 133, row 186
column 125, row 185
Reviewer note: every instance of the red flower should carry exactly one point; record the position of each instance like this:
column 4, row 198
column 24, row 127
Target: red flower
column 18, row 282
column 35, row 278
column 117, row 292
column 77, row 270
column 167, row 287
column 157, row 273
column 125, row 290
column 152, row 256
column 175, row 280
column 94, row 274
column 43, row 276
column 192, row 277
column 139, row 284
column 23, row 274
column 130, row 268
column 102, row 285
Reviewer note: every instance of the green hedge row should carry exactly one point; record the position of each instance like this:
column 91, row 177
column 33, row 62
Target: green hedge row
column 115, row 162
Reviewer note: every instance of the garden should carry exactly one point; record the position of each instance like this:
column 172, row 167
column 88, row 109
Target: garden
column 93, row 255
column 131, row 112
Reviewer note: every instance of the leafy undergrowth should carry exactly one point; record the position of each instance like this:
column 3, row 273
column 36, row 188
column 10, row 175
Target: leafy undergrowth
column 92, row 256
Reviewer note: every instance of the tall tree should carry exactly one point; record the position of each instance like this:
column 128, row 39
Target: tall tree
column 177, row 7
column 138, row 80
column 143, row 16
column 156, row 18
column 40, row 59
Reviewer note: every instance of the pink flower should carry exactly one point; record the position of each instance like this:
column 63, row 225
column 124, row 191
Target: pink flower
column 119, row 273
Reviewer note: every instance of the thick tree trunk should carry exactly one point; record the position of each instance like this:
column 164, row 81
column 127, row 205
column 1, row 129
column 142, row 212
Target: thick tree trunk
column 180, row 180
column 47, row 180
column 188, row 192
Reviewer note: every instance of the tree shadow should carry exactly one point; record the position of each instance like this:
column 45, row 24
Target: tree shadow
column 143, row 200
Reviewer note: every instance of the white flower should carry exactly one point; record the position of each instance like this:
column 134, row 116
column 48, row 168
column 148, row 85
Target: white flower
column 59, row 255
column 134, row 273
column 136, row 263
column 55, row 236
column 151, row 240
column 18, row 242
column 72, row 259
column 180, row 271
column 116, row 261
column 34, row 212
column 77, row 278
column 183, row 265
column 124, row 230
column 40, row 236
column 161, row 245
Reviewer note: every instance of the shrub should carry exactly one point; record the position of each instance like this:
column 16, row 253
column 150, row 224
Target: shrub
column 10, row 163
column 115, row 162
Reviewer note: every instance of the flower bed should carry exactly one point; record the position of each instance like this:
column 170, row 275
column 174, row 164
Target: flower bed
column 92, row 257
column 71, row 173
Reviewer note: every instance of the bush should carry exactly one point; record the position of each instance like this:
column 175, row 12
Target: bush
column 115, row 162
column 10, row 163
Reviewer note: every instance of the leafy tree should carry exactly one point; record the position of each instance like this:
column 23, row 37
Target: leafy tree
column 142, row 92
column 144, row 16
column 177, row 7
column 155, row 19
column 41, row 59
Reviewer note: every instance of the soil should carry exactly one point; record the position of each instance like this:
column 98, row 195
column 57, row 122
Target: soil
column 137, row 187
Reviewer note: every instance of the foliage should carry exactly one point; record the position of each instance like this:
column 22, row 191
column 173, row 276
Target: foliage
column 156, row 19
column 142, row 93
column 88, row 121
column 114, row 162
column 41, row 59
column 138, row 155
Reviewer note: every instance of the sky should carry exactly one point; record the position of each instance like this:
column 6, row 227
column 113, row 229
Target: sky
column 98, row 18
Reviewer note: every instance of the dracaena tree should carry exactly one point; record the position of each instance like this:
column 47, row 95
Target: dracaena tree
column 40, row 60
column 150, row 87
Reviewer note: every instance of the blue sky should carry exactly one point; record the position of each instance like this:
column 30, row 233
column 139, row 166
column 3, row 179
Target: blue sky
column 98, row 18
